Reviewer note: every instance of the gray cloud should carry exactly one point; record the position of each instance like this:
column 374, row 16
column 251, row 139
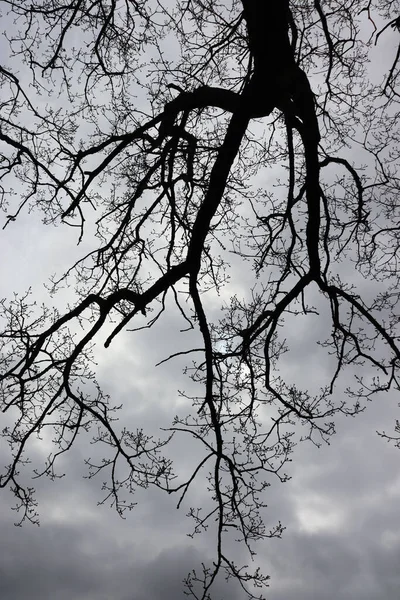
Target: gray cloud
column 341, row 508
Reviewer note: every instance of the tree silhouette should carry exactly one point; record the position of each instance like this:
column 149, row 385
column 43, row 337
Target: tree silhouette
column 151, row 126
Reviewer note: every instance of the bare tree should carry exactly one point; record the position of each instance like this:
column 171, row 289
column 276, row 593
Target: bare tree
column 157, row 128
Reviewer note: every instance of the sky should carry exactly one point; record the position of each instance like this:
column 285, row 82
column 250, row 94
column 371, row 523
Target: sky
column 340, row 508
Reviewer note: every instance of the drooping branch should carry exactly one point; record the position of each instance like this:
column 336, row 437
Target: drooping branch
column 267, row 95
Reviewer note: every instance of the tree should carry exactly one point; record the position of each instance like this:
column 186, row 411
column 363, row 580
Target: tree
column 151, row 134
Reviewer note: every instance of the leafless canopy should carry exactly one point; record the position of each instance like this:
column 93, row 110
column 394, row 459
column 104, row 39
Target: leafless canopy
column 152, row 127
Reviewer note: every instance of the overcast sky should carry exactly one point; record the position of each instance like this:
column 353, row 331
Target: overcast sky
column 341, row 508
